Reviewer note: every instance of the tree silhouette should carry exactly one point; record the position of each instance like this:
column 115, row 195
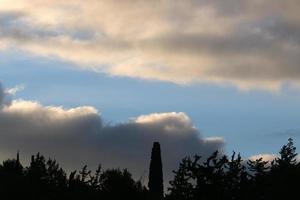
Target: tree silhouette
column 287, row 155
column 181, row 187
column 216, row 177
column 285, row 173
column 197, row 179
column 12, row 179
column 155, row 184
column 235, row 176
column 116, row 184
column 258, row 178
column 220, row 178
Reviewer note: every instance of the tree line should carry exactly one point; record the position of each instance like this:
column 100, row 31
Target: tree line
column 218, row 177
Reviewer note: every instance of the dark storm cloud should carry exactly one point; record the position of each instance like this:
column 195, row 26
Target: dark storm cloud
column 78, row 136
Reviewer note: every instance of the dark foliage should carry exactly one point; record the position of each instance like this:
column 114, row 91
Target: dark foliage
column 45, row 180
column 217, row 177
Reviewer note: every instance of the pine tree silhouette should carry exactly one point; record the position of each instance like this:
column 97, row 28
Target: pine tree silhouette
column 181, row 187
column 285, row 173
column 156, row 187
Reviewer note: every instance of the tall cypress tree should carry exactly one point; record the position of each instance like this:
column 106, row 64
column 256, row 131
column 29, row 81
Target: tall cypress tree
column 155, row 184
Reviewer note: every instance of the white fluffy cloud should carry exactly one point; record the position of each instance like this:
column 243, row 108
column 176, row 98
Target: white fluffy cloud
column 14, row 90
column 78, row 136
column 269, row 157
column 249, row 44
column 265, row 157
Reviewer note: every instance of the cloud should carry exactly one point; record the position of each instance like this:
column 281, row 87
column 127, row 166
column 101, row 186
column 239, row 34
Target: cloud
column 78, row 136
column 265, row 157
column 248, row 44
column 269, row 157
column 15, row 90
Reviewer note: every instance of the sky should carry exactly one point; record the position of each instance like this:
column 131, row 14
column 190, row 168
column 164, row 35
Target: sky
column 98, row 81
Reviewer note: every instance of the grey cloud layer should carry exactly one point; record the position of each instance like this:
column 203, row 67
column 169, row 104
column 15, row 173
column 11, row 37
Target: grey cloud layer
column 247, row 43
column 78, row 136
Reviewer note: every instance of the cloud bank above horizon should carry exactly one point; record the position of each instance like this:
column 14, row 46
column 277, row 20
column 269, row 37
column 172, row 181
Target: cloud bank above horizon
column 78, row 136
column 248, row 44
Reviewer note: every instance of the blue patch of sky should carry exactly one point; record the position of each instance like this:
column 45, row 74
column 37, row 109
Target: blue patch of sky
column 251, row 122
